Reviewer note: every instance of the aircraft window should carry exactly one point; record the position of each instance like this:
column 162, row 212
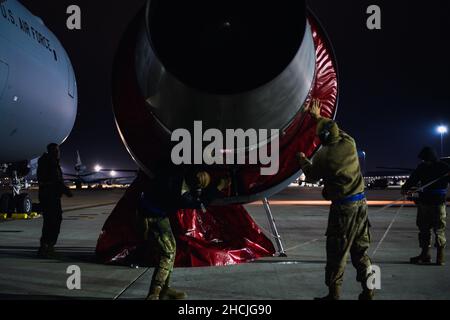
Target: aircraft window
column 54, row 55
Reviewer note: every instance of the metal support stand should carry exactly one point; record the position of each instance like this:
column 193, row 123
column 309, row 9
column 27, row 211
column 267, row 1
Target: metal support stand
column 273, row 228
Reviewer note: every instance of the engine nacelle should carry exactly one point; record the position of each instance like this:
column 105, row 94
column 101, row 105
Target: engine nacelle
column 232, row 65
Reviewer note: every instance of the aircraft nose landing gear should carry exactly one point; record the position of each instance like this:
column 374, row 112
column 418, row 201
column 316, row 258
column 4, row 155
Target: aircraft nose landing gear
column 16, row 202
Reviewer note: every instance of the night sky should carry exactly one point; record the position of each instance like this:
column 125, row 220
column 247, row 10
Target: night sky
column 394, row 82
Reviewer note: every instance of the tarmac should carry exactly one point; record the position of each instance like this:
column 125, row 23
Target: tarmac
column 300, row 276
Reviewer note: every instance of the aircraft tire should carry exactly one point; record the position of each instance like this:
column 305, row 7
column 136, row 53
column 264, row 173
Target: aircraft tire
column 24, row 203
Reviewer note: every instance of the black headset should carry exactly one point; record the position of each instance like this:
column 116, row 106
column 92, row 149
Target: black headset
column 325, row 133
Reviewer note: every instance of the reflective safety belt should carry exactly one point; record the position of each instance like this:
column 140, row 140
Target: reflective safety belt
column 353, row 198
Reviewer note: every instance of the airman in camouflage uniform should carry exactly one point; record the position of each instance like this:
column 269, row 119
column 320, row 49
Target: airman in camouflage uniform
column 51, row 188
column 193, row 191
column 156, row 204
column 157, row 230
column 431, row 205
column 337, row 163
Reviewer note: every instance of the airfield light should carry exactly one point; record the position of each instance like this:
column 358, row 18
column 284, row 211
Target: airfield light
column 442, row 130
column 113, row 173
column 98, row 168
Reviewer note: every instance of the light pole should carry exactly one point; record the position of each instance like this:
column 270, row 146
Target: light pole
column 364, row 156
column 363, row 164
column 442, row 130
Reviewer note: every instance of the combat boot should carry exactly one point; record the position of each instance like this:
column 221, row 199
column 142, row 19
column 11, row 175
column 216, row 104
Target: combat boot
column 154, row 293
column 423, row 258
column 440, row 260
column 52, row 254
column 167, row 293
column 43, row 251
column 333, row 294
column 366, row 295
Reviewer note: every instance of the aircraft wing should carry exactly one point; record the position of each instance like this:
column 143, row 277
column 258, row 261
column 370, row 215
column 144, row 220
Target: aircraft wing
column 70, row 175
column 120, row 170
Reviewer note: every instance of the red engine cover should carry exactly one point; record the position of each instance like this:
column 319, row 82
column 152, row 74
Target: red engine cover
column 224, row 235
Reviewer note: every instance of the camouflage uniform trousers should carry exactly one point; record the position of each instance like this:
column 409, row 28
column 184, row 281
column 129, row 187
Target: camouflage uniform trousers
column 431, row 217
column 159, row 232
column 348, row 232
column 52, row 214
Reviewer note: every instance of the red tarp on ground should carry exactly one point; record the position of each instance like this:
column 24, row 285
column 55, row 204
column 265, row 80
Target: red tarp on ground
column 221, row 236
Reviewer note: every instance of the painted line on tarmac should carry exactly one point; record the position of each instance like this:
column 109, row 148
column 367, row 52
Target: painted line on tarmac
column 130, row 285
column 387, row 231
column 89, row 206
column 302, row 245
